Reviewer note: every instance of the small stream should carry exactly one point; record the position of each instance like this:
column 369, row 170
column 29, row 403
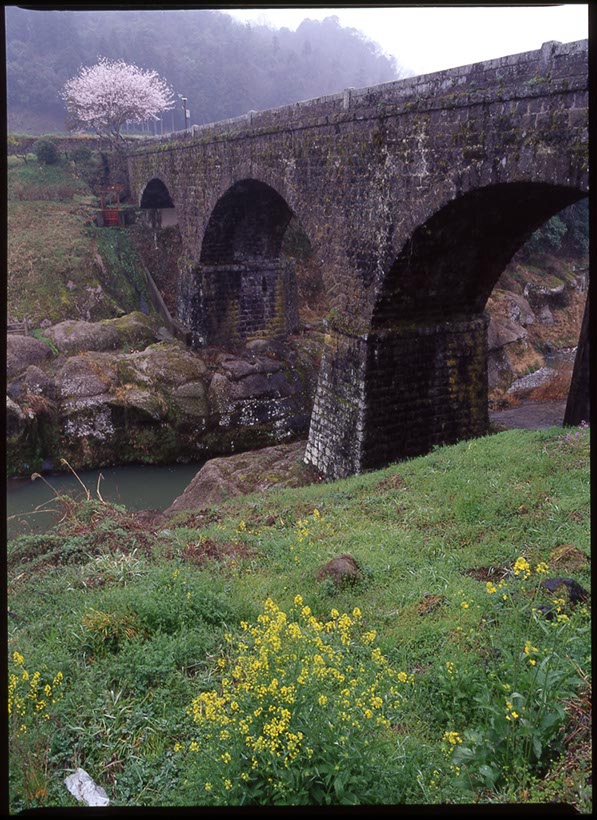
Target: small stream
column 137, row 487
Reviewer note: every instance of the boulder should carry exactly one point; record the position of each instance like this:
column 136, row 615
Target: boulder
column 146, row 403
column 575, row 592
column 168, row 364
column 525, row 384
column 23, row 351
column 33, row 381
column 502, row 332
column 134, row 328
column 342, row 570
column 256, row 471
column 80, row 376
column 74, row 336
column 191, row 398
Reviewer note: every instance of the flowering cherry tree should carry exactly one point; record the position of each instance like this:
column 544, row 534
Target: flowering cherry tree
column 106, row 95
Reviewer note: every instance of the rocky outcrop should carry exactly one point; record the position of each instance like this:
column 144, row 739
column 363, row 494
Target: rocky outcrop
column 164, row 403
column 74, row 336
column 256, row 471
column 23, row 351
column 525, row 326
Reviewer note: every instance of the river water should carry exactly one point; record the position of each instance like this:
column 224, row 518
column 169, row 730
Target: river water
column 141, row 487
column 137, row 487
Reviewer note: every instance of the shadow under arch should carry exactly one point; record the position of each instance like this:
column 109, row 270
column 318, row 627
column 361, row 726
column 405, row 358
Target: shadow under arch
column 248, row 222
column 244, row 288
column 426, row 368
column 451, row 263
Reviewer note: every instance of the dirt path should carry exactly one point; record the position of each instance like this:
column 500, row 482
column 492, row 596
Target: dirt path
column 531, row 415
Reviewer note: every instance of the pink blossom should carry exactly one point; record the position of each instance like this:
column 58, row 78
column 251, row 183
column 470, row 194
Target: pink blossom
column 106, row 95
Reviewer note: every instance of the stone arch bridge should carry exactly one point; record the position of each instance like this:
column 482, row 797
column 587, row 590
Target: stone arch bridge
column 414, row 194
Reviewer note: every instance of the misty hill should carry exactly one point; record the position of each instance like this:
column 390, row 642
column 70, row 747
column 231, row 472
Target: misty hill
column 223, row 67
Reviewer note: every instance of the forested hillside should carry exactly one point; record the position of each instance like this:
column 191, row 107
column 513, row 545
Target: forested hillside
column 224, row 68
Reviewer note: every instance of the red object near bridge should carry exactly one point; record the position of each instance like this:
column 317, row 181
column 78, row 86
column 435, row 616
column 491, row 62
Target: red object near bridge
column 110, row 205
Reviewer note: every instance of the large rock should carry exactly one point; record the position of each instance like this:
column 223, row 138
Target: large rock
column 160, row 405
column 23, row 351
column 342, row 570
column 257, row 471
column 166, row 363
column 81, row 376
column 502, row 332
column 74, row 336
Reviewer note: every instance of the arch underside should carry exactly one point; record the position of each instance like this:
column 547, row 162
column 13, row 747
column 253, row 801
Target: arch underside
column 243, row 288
column 248, row 222
column 426, row 380
column 156, row 195
column 452, row 262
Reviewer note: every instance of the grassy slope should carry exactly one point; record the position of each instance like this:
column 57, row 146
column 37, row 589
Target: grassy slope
column 415, row 529
column 60, row 266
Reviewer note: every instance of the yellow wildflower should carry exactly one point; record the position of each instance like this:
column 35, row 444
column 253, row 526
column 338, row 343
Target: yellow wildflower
column 452, row 737
column 522, row 567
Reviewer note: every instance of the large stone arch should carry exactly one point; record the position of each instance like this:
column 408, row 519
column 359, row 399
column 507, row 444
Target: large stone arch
column 242, row 287
column 247, row 223
column 450, row 264
column 418, row 377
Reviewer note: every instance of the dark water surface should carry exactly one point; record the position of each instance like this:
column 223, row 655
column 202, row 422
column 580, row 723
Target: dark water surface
column 137, row 487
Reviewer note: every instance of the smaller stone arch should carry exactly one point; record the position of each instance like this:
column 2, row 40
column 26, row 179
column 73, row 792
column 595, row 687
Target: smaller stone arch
column 244, row 288
column 157, row 202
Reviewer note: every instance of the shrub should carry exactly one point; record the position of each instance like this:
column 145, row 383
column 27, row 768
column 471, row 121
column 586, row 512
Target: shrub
column 304, row 715
column 46, row 151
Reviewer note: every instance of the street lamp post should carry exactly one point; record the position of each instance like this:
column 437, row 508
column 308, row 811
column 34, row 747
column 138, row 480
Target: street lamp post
column 187, row 113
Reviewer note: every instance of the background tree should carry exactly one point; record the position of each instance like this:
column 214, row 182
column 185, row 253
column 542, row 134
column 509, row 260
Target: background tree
column 224, row 67
column 107, row 95
column 46, row 151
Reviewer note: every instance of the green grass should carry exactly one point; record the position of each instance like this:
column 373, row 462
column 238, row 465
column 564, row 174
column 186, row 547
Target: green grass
column 141, row 623
column 60, row 266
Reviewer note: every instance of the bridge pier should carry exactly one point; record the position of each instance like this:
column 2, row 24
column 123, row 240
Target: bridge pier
column 232, row 303
column 396, row 393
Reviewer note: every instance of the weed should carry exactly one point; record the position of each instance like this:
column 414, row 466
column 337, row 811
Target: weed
column 300, row 715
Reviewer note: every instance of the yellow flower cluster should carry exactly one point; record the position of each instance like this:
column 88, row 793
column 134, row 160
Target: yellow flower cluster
column 288, row 673
column 28, row 696
column 522, row 567
column 511, row 714
column 452, row 737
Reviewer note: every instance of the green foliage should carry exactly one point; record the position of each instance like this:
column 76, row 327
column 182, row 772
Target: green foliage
column 156, row 646
column 565, row 233
column 46, row 151
column 38, row 334
column 52, row 247
column 300, row 716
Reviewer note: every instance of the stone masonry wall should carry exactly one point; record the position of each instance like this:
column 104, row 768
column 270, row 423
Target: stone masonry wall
column 363, row 171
